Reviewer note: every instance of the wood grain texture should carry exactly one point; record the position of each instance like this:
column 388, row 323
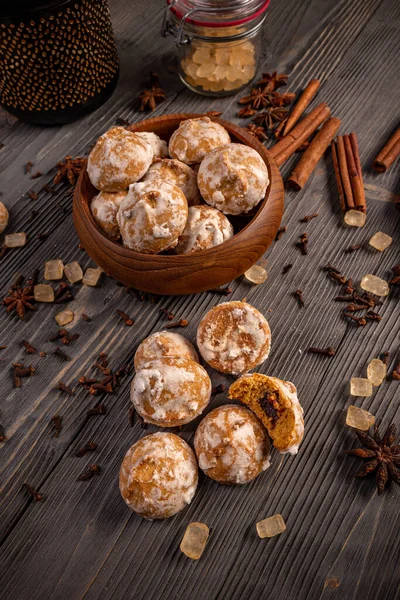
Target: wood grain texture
column 190, row 273
column 82, row 541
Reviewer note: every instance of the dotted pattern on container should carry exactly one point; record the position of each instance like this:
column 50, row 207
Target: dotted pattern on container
column 57, row 62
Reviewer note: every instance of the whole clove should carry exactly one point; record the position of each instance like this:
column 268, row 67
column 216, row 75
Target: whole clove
column 181, row 323
column 49, row 189
column 280, row 233
column 32, row 195
column 361, row 321
column 85, row 317
column 88, row 447
column 354, row 307
column 353, row 248
column 303, row 244
column 337, row 277
column 28, row 347
column 100, row 409
column 2, row 434
column 286, row 269
column 169, row 315
column 299, row 296
column 323, row 351
column 61, row 354
column 396, row 372
column 89, row 473
column 222, row 291
column 329, row 267
column 124, row 317
column 37, row 496
column 65, row 388
column 308, row 218
column 373, row 316
column 385, row 357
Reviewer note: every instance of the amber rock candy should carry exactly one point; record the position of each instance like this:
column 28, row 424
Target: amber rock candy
column 64, row 317
column 53, row 269
column 73, row 272
column 271, row 526
column 92, row 276
column 43, row 293
column 359, row 418
column 375, row 285
column 355, row 218
column 194, row 540
column 15, row 240
column 360, row 387
column 256, row 274
column 376, row 371
column 380, row 241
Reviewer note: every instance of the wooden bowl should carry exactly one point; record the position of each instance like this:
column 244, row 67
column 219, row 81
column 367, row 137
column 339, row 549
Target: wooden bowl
column 187, row 273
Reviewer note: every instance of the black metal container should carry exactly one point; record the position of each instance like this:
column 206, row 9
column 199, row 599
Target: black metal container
column 58, row 59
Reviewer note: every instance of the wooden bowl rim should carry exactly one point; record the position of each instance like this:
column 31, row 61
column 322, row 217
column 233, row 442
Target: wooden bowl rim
column 237, row 131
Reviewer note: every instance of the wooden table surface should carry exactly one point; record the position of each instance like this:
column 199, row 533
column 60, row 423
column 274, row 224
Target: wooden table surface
column 82, row 541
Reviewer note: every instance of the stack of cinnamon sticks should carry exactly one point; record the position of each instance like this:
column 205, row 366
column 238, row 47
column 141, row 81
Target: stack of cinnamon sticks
column 347, row 166
column 296, row 133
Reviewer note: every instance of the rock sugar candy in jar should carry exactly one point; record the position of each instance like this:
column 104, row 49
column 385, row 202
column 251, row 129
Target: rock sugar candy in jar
column 218, row 42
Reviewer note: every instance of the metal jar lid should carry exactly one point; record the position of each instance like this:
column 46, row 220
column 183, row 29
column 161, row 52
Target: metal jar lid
column 211, row 14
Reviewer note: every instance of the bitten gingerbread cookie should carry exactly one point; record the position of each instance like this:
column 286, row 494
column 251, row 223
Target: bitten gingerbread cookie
column 176, row 172
column 104, row 208
column 231, row 445
column 163, row 344
column 205, row 228
column 158, row 476
column 233, row 179
column 152, row 216
column 194, row 138
column 234, row 337
column 276, row 404
column 118, row 159
column 170, row 391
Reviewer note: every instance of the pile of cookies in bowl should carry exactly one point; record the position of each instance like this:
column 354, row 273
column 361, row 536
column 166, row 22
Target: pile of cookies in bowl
column 173, row 198
column 159, row 474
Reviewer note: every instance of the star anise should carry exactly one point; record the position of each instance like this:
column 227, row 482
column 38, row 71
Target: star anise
column 269, row 117
column 246, row 112
column 383, row 456
column 19, row 299
column 258, row 98
column 275, row 80
column 69, row 169
column 277, row 99
column 149, row 98
column 258, row 132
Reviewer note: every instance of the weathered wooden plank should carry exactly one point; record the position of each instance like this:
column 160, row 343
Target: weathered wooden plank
column 82, row 541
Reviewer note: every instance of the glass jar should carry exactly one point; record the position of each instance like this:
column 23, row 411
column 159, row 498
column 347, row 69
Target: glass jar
column 218, row 42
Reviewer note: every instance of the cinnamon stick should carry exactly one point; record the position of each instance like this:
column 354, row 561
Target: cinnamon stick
column 339, row 184
column 388, row 154
column 300, row 133
column 355, row 181
column 356, row 153
column 301, row 105
column 313, row 154
column 344, row 173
